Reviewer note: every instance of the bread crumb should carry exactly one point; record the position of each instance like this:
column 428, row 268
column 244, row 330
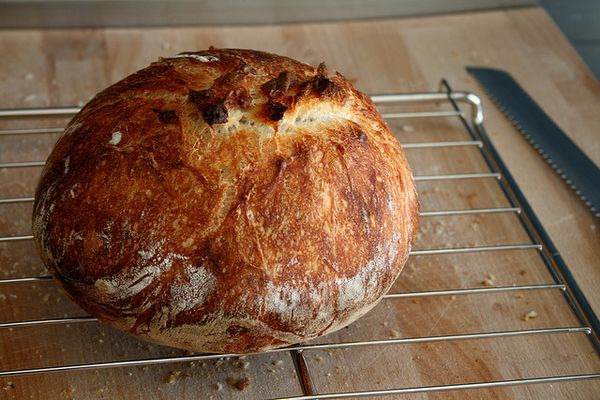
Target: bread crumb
column 129, row 373
column 218, row 386
column 319, row 358
column 172, row 377
column 80, row 103
column 68, row 391
column 2, row 297
column 414, row 301
column 519, row 296
column 239, row 384
column 28, row 76
column 530, row 315
column 394, row 334
column 328, row 374
column 277, row 362
column 243, row 364
column 489, row 280
column 522, row 272
column 30, row 98
column 470, row 196
column 408, row 128
column 385, row 324
column 453, row 297
column 8, row 386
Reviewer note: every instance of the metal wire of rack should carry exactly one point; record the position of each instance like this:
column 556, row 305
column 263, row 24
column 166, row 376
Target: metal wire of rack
column 472, row 120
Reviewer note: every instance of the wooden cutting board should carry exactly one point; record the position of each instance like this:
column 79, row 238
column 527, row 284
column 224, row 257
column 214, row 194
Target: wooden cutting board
column 66, row 67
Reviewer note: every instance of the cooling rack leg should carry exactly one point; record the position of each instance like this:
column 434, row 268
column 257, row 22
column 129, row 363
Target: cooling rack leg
column 302, row 372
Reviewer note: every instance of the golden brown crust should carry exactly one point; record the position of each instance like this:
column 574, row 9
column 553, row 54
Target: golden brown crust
column 227, row 201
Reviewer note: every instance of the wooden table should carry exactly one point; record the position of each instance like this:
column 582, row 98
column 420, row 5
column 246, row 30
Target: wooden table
column 66, row 67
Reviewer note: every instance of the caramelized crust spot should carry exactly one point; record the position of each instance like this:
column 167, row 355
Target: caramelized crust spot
column 215, row 113
column 228, row 91
column 166, row 116
column 275, row 110
column 278, row 86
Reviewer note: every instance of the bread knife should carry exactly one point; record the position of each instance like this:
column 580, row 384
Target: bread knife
column 576, row 168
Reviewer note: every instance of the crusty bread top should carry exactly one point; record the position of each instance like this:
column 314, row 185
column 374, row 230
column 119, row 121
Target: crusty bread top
column 227, row 185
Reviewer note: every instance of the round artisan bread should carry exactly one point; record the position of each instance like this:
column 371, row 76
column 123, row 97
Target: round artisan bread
column 227, row 201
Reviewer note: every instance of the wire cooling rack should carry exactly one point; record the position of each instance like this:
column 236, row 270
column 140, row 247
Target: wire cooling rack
column 313, row 377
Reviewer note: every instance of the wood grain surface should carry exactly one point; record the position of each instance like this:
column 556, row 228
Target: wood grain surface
column 66, row 67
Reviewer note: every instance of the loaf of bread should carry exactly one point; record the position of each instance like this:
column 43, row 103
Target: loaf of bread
column 227, row 201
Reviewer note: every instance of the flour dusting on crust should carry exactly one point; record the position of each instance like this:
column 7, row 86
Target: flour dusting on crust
column 365, row 286
column 197, row 57
column 191, row 288
column 188, row 288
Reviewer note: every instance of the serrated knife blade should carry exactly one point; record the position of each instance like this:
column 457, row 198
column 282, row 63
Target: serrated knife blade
column 576, row 168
